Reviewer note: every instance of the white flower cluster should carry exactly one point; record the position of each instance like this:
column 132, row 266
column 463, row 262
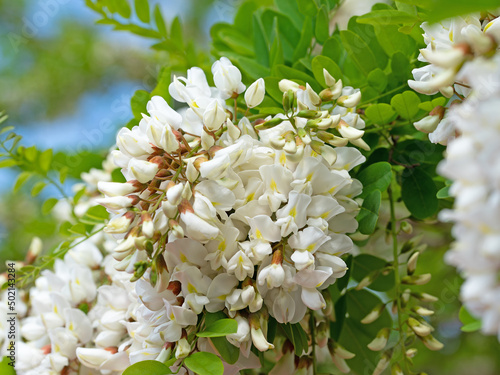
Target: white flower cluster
column 465, row 61
column 451, row 45
column 225, row 217
column 56, row 323
column 473, row 163
column 247, row 219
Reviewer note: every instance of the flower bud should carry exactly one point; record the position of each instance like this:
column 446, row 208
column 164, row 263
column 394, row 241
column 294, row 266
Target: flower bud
column 382, row 364
column 143, row 171
column 416, row 280
column 412, row 263
column 34, row 250
column 350, row 101
column 147, row 225
column 214, row 115
column 113, row 189
column 428, row 124
column 419, row 328
column 120, row 223
column 304, row 135
column 410, row 353
column 349, row 132
column 269, row 124
column 182, row 349
column 396, row 369
column 176, row 229
column 360, row 143
column 233, row 131
column 380, row 341
column 255, row 93
column 309, row 113
column 285, row 85
column 313, row 97
column 174, row 193
column 117, row 203
column 424, row 297
column 431, row 343
column 406, row 227
column 329, row 80
column 374, row 314
column 422, row 311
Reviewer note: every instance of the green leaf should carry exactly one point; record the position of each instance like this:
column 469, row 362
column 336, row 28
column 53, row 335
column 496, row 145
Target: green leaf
column 45, row 159
column 30, row 153
column 251, row 68
column 400, row 66
column 37, row 188
column 377, row 79
column 228, row 351
column 297, row 336
column 63, row 173
column 219, row 328
column 380, row 113
column 48, row 205
column 377, row 176
column 419, row 193
column 332, row 48
column 392, row 41
column 305, row 39
column 5, row 368
column 443, row 193
column 78, row 228
column 307, row 7
column 6, row 129
column 142, row 10
column 138, row 103
column 406, row 104
column 176, row 32
column 123, row 8
column 387, row 17
column 97, row 213
column 160, row 21
column 321, row 30
column 204, row 363
column 358, row 51
column 450, row 8
column 366, row 264
column 260, row 41
column 21, row 180
column 368, row 214
column 470, row 323
column 147, row 367
column 7, row 163
column 320, row 62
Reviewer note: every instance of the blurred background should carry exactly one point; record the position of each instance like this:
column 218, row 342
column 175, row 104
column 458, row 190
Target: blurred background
column 66, row 83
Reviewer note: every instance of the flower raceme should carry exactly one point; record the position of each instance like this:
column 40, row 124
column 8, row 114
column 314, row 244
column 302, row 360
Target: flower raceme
column 223, row 212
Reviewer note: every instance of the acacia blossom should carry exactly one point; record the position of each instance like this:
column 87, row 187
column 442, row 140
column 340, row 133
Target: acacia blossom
column 217, row 214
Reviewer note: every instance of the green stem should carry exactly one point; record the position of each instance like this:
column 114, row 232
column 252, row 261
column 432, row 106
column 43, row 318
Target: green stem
column 397, row 278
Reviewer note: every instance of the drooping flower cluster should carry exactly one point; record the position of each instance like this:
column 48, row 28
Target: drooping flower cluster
column 451, row 45
column 465, row 60
column 472, row 163
column 224, row 210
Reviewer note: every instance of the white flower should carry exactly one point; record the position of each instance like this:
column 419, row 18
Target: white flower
column 255, row 93
column 214, row 115
column 227, row 78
